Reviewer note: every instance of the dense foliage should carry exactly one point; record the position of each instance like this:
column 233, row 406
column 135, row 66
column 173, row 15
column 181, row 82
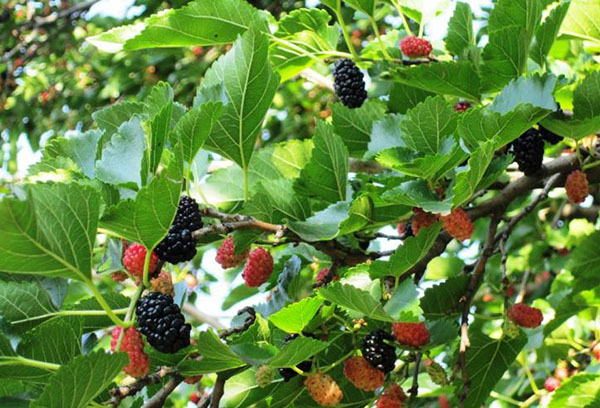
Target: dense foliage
column 432, row 241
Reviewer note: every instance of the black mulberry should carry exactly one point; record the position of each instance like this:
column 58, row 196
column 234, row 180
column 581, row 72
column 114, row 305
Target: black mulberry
column 529, row 151
column 180, row 245
column 349, row 84
column 163, row 324
column 377, row 352
column 288, row 373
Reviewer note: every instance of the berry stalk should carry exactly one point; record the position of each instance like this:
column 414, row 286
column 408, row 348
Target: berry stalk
column 102, row 302
column 338, row 15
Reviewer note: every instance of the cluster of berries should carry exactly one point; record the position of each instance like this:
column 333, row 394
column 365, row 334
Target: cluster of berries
column 258, row 268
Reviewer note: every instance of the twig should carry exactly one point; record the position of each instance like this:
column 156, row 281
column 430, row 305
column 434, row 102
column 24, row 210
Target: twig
column 523, row 287
column 247, row 323
column 414, row 389
column 218, row 391
column 158, row 399
column 120, row 393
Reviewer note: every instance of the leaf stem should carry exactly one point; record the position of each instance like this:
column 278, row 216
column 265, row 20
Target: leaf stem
column 70, row 313
column 246, row 184
column 100, row 299
column 591, row 165
column 12, row 360
column 338, row 14
column 335, row 363
column 146, row 267
column 129, row 314
column 505, row 399
column 381, row 44
column 398, row 7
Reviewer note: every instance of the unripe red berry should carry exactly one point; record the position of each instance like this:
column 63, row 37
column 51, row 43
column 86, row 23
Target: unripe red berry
column 462, row 106
column 323, row 389
column 577, row 187
column 133, row 345
column 551, row 384
column 364, row 376
column 258, row 268
column 414, row 47
column 525, row 316
column 226, row 256
column 411, row 334
column 392, row 397
column 134, row 258
column 323, row 273
column 421, row 219
column 193, row 380
column 194, row 398
column 458, row 224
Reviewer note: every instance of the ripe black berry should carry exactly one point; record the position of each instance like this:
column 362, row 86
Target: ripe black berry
column 161, row 321
column 180, row 245
column 549, row 136
column 348, row 83
column 529, row 151
column 188, row 214
column 377, row 352
column 288, row 373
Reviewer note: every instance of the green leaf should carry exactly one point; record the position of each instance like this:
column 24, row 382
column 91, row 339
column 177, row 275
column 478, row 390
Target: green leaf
column 199, row 23
column 586, row 97
column 386, row 134
column 404, row 303
column 90, row 322
column 487, row 361
column 79, row 147
column 325, row 175
column 572, row 128
column 417, row 193
column 303, row 37
column 535, row 90
column 248, row 82
column 448, row 77
column 112, row 117
column 547, row 32
column 55, row 341
column 22, row 301
column 296, row 351
column 336, row 220
column 425, row 126
column 294, row 318
column 441, row 299
column 460, row 30
column 51, row 234
column 582, row 20
column 147, row 218
column 504, row 57
column 278, row 198
column 216, row 357
column 354, row 299
column 584, row 261
column 577, row 391
column 290, row 157
column 355, row 125
column 160, row 122
column 195, row 126
column 77, row 383
column 121, row 160
column 366, row 6
column 407, row 255
column 404, row 97
column 467, row 180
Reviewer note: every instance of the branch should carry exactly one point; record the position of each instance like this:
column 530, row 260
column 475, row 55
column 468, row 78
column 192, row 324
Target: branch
column 414, row 389
column 54, row 17
column 158, row 399
column 120, row 393
column 247, row 323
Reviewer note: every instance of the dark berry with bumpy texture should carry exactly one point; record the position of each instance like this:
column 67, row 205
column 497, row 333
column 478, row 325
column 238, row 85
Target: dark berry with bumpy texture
column 348, row 83
column 377, row 352
column 288, row 373
column 188, row 214
column 132, row 344
column 178, row 246
column 411, row 334
column 525, row 316
column 414, row 47
column 258, row 268
column 134, row 258
column 163, row 324
column 529, row 151
column 577, row 187
column 549, row 136
column 226, row 256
